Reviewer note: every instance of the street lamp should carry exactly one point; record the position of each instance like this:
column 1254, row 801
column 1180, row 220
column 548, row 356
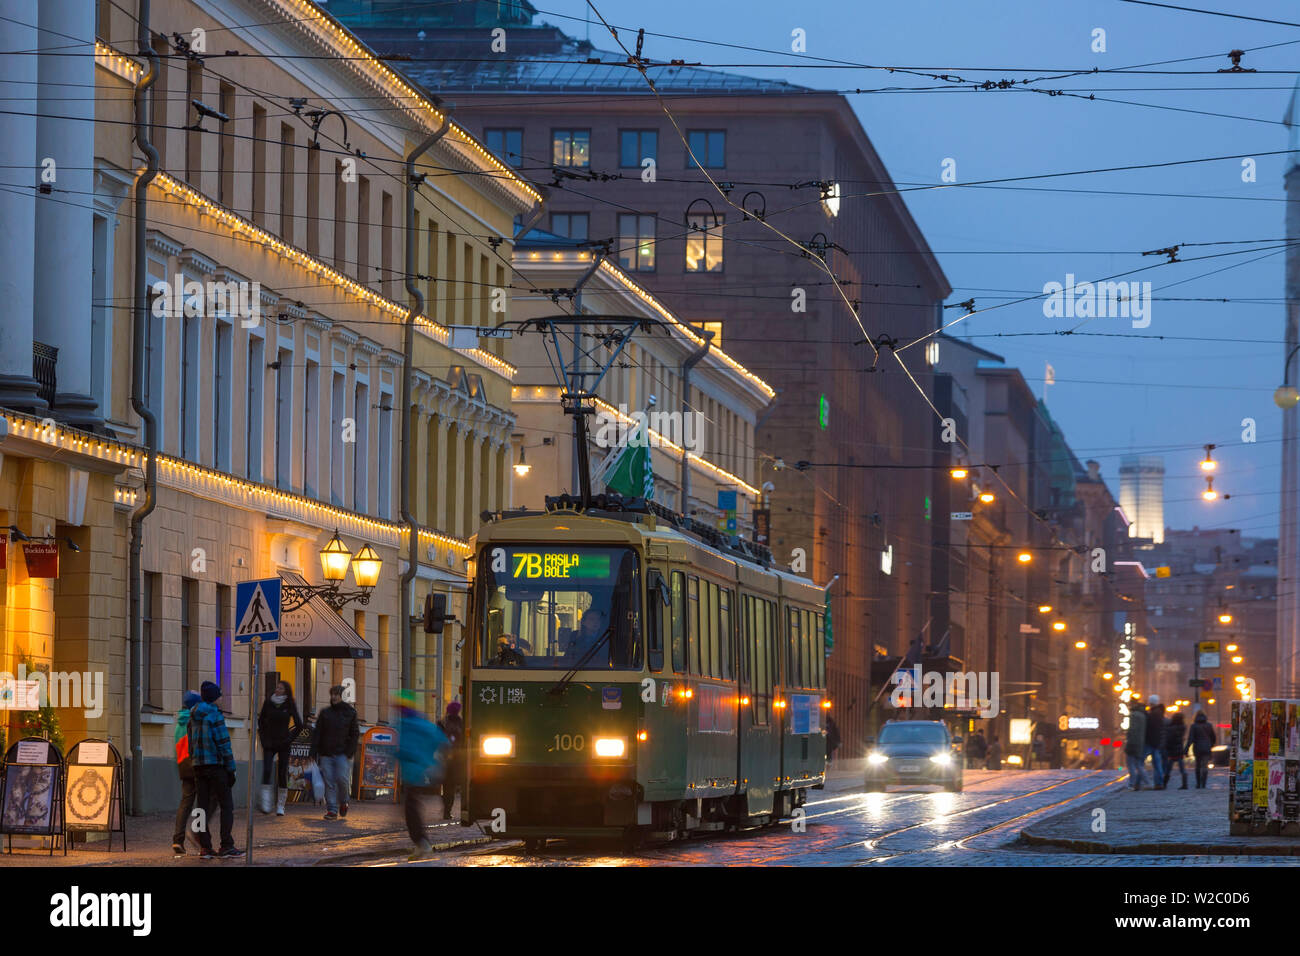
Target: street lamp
column 1237, row 659
column 1024, row 557
column 1225, row 616
column 334, row 561
column 1287, row 395
column 1044, row 609
column 1081, row 645
column 959, row 473
column 1208, row 463
column 1058, row 626
column 522, row 467
column 1209, row 494
column 986, row 497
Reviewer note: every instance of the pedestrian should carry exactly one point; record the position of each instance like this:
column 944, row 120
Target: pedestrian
column 1201, row 740
column 214, row 769
column 453, row 726
column 185, row 769
column 422, row 755
column 1155, row 742
column 333, row 745
column 1038, row 753
column 1135, row 741
column 993, row 761
column 977, row 749
column 832, row 739
column 277, row 725
column 1175, row 747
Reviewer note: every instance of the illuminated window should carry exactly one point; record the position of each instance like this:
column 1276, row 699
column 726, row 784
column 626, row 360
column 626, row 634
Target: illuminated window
column 715, row 328
column 704, row 243
column 571, row 147
column 709, row 146
column 636, row 242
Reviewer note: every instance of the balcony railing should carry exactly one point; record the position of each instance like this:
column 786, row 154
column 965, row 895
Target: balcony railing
column 45, row 360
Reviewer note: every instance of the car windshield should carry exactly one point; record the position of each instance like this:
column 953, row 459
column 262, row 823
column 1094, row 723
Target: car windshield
column 550, row 607
column 913, row 734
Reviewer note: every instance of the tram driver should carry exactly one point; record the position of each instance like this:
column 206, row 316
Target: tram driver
column 594, row 623
column 508, row 652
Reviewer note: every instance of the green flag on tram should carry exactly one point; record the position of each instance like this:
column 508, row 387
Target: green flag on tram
column 829, row 634
column 628, row 471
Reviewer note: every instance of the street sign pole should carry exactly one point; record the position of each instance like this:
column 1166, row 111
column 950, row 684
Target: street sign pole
column 1196, row 670
column 254, row 653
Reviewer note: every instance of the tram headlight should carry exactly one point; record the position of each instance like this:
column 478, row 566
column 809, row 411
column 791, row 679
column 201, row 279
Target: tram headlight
column 498, row 746
column 943, row 759
column 876, row 758
column 609, row 746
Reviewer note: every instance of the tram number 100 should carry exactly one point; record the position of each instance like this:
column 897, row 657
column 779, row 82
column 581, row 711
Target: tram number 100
column 568, row 742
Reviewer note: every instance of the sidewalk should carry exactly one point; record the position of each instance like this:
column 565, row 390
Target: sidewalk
column 299, row 838
column 1169, row 821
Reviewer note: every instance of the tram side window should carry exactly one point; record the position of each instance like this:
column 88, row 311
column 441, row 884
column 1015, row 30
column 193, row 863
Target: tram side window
column 819, row 649
column 746, row 647
column 809, row 678
column 679, row 622
column 724, row 632
column 793, row 677
column 656, row 622
column 764, row 671
column 693, row 622
column 709, row 627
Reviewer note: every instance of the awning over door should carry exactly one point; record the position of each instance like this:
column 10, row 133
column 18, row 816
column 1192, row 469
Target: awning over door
column 315, row 630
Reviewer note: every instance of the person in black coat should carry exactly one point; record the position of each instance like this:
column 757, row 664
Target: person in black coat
column 1175, row 747
column 1201, row 741
column 1155, row 742
column 832, row 739
column 277, row 725
column 333, row 745
column 453, row 725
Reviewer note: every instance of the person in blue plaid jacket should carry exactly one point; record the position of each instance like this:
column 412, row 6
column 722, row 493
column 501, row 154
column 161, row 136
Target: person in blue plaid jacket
column 214, row 769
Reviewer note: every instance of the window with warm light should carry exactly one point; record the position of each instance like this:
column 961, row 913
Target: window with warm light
column 636, row 242
column 571, row 147
column 704, row 242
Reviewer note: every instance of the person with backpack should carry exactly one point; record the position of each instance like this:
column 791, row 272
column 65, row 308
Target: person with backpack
column 1175, row 747
column 333, row 745
column 185, row 769
column 214, row 769
column 453, row 726
column 422, row 756
column 1201, row 741
column 277, row 725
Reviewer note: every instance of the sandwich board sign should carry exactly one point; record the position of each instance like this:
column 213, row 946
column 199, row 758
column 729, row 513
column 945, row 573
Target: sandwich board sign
column 257, row 610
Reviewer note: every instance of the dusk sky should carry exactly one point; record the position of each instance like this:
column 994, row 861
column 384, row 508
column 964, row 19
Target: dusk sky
column 1112, row 395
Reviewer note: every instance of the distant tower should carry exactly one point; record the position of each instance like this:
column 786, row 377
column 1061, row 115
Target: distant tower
column 1288, row 633
column 1142, row 495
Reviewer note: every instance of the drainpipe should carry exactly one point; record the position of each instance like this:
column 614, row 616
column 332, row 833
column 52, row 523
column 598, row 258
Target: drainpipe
column 691, row 361
column 135, row 681
column 408, row 353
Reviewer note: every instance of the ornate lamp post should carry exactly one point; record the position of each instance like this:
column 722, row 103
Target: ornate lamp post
column 334, row 559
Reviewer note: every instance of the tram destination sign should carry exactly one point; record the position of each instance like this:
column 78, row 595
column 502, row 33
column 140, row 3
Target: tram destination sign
column 562, row 564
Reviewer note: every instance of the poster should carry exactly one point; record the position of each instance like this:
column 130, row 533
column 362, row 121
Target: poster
column 1277, row 730
column 1234, row 733
column 92, row 752
column 1291, row 747
column 29, row 798
column 1263, row 728
column 1246, row 730
column 1291, row 792
column 299, row 758
column 378, row 754
column 89, row 795
column 1242, row 791
column 1259, row 792
column 1276, row 770
column 33, row 751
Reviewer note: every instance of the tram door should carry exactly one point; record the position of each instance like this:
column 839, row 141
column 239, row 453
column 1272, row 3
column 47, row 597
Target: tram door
column 758, row 757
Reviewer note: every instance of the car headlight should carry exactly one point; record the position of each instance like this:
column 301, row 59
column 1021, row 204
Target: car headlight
column 498, row 746
column 609, row 746
column 943, row 759
column 876, row 758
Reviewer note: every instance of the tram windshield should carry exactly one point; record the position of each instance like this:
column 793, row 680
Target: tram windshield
column 559, row 608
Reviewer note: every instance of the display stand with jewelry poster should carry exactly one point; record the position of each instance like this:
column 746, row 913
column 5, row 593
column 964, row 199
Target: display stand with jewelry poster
column 378, row 759
column 94, row 798
column 31, row 799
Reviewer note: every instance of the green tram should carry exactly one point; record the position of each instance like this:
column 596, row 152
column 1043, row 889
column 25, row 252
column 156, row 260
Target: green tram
column 634, row 674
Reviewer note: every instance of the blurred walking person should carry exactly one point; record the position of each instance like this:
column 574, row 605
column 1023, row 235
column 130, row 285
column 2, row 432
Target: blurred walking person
column 277, row 725
column 1155, row 742
column 185, row 769
column 333, row 745
column 453, row 726
column 1135, row 742
column 832, row 739
column 994, row 759
column 422, row 755
column 1175, row 747
column 1201, row 740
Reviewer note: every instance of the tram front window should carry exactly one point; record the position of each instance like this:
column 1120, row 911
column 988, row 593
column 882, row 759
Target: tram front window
column 559, row 608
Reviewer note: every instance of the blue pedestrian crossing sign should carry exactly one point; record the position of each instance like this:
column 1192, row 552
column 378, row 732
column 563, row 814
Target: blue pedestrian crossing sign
column 257, row 610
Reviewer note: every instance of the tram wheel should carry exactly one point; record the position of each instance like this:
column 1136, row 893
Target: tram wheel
column 534, row 844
